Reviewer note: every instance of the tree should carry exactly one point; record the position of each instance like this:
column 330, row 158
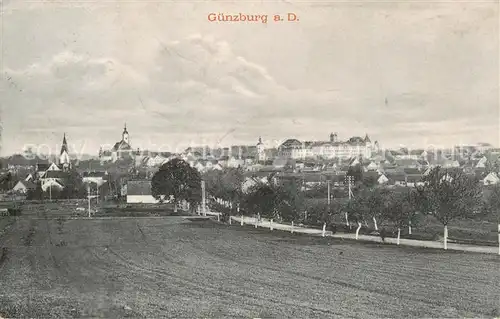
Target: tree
column 261, row 199
column 376, row 201
column 370, row 181
column 492, row 207
column 36, row 193
column 73, row 186
column 357, row 210
column 290, row 199
column 225, row 185
column 275, row 199
column 178, row 180
column 401, row 210
column 449, row 194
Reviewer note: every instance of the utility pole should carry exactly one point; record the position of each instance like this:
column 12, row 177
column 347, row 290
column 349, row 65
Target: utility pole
column 50, row 192
column 203, row 206
column 349, row 180
column 329, row 196
column 88, row 196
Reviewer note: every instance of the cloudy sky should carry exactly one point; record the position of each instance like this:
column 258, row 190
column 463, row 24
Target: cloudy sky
column 175, row 78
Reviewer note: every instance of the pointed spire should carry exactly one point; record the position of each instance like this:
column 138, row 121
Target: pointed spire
column 64, row 147
column 367, row 139
column 260, row 140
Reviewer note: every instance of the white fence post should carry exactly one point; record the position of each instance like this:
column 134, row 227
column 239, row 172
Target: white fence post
column 445, row 239
column 324, row 230
column 241, row 220
column 292, row 228
column 399, row 235
column 271, row 225
column 230, row 217
column 499, row 239
column 256, row 221
column 357, row 230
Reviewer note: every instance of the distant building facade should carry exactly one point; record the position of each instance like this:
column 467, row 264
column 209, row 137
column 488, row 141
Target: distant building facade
column 353, row 147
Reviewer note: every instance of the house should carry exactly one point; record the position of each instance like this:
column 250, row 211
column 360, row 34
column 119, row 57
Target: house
column 223, row 160
column 251, row 181
column 382, row 179
column 372, row 166
column 413, row 180
column 482, row 162
column 235, row 162
column 408, row 163
column 280, row 162
column 217, row 167
column 98, row 178
column 491, row 179
column 199, row 166
column 157, row 160
column 53, row 179
column 53, row 167
column 139, row 191
column 52, row 184
column 40, row 170
column 397, row 178
column 23, row 186
column 354, row 162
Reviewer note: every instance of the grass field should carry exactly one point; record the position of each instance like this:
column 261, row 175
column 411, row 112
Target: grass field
column 52, row 267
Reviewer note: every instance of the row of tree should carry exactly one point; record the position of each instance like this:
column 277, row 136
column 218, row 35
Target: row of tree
column 445, row 194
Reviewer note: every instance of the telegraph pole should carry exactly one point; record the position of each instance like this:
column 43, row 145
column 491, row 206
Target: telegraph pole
column 329, row 196
column 349, row 180
column 88, row 196
column 349, row 183
column 203, row 206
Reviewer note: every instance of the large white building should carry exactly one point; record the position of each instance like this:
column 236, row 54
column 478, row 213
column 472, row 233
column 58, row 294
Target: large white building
column 353, row 147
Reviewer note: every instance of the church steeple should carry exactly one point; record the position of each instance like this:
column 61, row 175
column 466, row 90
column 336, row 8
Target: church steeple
column 125, row 134
column 64, row 159
column 64, row 147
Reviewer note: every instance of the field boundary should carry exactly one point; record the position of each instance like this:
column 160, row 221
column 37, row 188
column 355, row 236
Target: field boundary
column 107, row 217
column 366, row 238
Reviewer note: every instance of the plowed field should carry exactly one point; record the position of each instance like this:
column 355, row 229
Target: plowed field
column 169, row 267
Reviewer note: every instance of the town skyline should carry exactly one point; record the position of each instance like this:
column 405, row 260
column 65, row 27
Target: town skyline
column 412, row 74
column 79, row 151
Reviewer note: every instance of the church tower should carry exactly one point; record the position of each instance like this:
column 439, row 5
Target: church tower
column 261, row 151
column 125, row 134
column 64, row 160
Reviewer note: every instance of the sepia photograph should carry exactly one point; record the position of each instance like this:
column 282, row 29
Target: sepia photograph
column 249, row 159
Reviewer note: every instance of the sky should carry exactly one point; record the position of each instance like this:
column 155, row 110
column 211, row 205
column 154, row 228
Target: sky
column 84, row 68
